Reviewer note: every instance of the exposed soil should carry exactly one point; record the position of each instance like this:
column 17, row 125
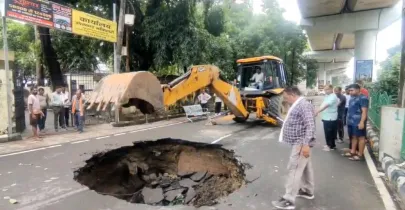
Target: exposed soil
column 164, row 172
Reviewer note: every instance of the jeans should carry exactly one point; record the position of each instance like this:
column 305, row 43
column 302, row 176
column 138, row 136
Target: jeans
column 330, row 128
column 42, row 120
column 79, row 121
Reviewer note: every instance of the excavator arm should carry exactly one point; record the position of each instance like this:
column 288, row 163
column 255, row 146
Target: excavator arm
column 199, row 77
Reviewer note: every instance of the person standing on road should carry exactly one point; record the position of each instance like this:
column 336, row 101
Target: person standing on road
column 341, row 114
column 298, row 131
column 356, row 122
column 218, row 105
column 66, row 107
column 363, row 90
column 57, row 107
column 329, row 109
column 347, row 95
column 44, row 104
column 35, row 112
column 78, row 110
column 203, row 98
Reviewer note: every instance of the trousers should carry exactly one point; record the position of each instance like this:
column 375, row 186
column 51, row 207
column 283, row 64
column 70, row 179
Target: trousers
column 330, row 129
column 300, row 174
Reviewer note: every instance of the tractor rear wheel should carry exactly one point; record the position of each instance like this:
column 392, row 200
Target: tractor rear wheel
column 278, row 107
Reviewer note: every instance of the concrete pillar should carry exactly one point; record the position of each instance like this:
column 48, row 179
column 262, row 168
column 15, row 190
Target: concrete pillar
column 365, row 44
column 365, row 51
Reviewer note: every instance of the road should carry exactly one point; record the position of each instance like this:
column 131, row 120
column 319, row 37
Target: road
column 43, row 179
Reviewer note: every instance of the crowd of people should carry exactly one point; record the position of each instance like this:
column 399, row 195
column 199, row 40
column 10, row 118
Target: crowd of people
column 62, row 105
column 337, row 111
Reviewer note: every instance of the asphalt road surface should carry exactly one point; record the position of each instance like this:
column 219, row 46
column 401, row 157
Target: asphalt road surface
column 43, row 179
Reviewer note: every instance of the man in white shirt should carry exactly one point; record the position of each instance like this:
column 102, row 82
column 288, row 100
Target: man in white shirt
column 66, row 107
column 58, row 108
column 218, row 104
column 203, row 98
column 258, row 78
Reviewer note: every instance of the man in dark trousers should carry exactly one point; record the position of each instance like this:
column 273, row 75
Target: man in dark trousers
column 329, row 109
column 341, row 114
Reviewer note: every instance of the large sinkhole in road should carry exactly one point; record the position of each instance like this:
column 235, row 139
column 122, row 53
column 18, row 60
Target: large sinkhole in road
column 165, row 172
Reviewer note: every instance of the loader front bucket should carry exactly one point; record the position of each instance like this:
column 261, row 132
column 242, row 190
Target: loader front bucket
column 140, row 89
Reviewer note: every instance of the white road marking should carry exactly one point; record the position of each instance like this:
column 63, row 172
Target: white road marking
column 52, row 200
column 31, row 150
column 119, row 134
column 78, row 142
column 220, row 139
column 385, row 195
column 162, row 126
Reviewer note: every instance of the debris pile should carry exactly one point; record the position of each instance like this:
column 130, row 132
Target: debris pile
column 164, row 172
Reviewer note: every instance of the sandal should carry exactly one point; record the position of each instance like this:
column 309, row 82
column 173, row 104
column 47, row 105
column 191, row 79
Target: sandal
column 347, row 154
column 356, row 158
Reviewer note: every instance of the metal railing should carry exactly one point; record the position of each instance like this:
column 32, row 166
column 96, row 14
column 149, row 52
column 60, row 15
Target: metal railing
column 378, row 100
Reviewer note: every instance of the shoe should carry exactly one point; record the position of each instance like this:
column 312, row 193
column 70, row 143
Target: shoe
column 283, row 204
column 326, row 149
column 332, row 149
column 303, row 194
column 340, row 141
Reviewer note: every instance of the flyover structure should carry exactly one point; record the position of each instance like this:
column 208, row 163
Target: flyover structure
column 339, row 30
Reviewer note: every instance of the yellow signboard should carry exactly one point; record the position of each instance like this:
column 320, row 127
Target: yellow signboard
column 92, row 26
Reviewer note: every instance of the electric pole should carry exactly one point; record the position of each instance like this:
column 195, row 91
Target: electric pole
column 121, row 19
column 401, row 92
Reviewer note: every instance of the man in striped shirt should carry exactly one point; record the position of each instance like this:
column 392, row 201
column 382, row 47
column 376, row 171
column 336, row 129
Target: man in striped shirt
column 299, row 132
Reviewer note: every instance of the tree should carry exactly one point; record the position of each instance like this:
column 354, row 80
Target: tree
column 21, row 41
column 389, row 78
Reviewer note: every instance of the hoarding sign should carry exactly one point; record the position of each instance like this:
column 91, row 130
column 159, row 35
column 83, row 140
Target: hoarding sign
column 62, row 17
column 93, row 26
column 52, row 15
column 38, row 12
column 364, row 70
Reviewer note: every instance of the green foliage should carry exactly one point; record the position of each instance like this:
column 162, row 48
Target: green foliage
column 311, row 74
column 388, row 81
column 21, row 41
column 170, row 35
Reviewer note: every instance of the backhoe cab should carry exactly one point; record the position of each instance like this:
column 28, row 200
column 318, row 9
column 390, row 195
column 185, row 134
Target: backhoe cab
column 261, row 81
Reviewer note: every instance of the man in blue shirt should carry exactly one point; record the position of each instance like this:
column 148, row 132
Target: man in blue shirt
column 329, row 109
column 356, row 122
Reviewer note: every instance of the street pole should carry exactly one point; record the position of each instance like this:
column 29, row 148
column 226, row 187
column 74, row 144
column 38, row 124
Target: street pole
column 8, row 79
column 401, row 92
column 115, row 44
column 116, row 110
column 121, row 20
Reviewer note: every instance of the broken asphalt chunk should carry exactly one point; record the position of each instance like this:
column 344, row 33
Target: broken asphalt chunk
column 198, row 176
column 187, row 183
column 152, row 196
column 190, row 195
column 171, row 195
column 184, row 173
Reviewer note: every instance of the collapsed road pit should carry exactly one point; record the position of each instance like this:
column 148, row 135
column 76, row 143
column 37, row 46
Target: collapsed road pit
column 164, row 172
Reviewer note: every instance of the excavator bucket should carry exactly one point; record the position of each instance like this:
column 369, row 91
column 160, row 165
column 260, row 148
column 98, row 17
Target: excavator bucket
column 139, row 89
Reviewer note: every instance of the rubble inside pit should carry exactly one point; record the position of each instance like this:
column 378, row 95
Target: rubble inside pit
column 165, row 172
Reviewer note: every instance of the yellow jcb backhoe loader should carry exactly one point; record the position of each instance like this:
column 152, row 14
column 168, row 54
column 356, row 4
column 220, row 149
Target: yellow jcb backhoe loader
column 143, row 90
